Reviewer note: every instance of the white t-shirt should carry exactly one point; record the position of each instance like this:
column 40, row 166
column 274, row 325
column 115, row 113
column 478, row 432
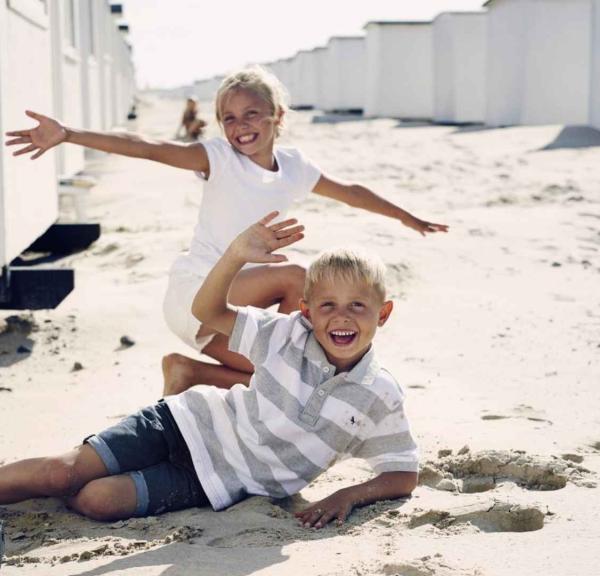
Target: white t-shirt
column 238, row 193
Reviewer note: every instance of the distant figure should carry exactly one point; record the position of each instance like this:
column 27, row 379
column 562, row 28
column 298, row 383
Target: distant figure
column 190, row 122
column 245, row 176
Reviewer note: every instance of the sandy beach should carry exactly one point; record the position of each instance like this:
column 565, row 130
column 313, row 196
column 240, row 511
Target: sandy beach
column 495, row 337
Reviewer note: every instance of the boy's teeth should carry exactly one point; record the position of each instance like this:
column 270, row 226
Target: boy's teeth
column 342, row 333
column 244, row 139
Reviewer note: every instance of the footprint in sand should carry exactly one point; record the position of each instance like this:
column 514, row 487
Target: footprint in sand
column 483, row 471
column 491, row 516
column 426, row 566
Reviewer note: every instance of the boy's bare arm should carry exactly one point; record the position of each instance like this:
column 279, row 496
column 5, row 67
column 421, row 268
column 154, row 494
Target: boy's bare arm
column 50, row 133
column 339, row 505
column 255, row 244
column 361, row 197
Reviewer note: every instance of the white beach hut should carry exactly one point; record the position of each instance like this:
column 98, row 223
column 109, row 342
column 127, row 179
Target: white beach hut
column 304, row 81
column 595, row 67
column 67, row 78
column 91, row 14
column 399, row 76
column 459, row 42
column 28, row 198
column 341, row 76
column 538, row 62
column 319, row 55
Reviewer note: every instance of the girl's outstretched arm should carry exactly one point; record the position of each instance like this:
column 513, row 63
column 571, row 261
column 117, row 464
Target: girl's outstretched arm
column 361, row 197
column 49, row 133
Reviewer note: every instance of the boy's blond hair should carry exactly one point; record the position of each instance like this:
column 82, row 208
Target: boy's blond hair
column 264, row 84
column 346, row 264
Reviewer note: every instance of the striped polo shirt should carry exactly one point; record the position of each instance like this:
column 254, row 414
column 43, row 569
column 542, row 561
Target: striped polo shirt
column 295, row 419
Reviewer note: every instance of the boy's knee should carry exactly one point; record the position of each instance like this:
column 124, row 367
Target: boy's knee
column 62, row 477
column 98, row 501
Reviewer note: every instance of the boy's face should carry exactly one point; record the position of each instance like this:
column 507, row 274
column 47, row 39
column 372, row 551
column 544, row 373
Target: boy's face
column 248, row 122
column 345, row 316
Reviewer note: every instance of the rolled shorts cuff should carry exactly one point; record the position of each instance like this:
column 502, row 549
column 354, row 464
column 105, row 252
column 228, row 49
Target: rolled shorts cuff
column 105, row 453
column 141, row 493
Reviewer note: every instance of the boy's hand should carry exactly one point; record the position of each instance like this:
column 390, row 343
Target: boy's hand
column 257, row 243
column 338, row 506
column 46, row 135
column 423, row 227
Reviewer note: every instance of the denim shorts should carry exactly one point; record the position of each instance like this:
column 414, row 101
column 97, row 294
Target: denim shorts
column 150, row 448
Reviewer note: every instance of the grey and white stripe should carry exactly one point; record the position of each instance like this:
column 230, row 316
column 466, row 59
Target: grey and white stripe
column 295, row 419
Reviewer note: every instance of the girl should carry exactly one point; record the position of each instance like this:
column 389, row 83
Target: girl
column 246, row 176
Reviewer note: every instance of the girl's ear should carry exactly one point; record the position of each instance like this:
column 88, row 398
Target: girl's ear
column 384, row 312
column 304, row 310
column 279, row 114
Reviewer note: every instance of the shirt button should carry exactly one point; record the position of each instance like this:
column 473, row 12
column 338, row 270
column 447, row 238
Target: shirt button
column 321, row 393
column 326, row 369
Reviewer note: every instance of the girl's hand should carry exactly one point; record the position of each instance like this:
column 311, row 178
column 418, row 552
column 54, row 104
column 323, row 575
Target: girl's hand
column 423, row 227
column 257, row 243
column 337, row 506
column 46, row 135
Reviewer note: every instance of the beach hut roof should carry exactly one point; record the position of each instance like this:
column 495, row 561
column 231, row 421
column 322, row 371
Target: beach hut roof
column 461, row 13
column 346, row 38
column 398, row 22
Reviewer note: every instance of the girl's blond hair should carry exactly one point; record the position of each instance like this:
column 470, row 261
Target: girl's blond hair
column 346, row 265
column 263, row 84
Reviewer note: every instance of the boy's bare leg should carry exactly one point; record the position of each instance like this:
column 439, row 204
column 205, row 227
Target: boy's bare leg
column 110, row 498
column 262, row 287
column 58, row 476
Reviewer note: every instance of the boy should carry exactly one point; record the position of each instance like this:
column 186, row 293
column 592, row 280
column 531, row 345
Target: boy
column 317, row 395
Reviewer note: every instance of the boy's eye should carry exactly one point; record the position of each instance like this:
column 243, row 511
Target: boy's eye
column 227, row 119
column 327, row 305
column 357, row 305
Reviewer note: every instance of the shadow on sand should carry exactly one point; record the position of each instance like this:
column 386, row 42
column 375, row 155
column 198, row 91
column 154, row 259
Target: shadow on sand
column 574, row 137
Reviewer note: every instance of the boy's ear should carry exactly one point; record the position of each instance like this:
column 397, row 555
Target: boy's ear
column 384, row 312
column 304, row 310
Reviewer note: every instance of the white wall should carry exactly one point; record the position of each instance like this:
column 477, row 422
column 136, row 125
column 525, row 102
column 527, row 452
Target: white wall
column 28, row 197
column 67, row 83
column 305, row 80
column 459, row 67
column 343, row 74
column 595, row 67
column 91, row 92
column 539, row 59
column 399, row 70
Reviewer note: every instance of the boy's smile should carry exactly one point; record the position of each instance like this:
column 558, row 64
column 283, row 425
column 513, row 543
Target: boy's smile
column 345, row 315
column 250, row 125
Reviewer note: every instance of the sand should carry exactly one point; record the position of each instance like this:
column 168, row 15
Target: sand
column 495, row 337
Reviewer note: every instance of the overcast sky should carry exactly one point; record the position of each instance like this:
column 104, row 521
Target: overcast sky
column 178, row 41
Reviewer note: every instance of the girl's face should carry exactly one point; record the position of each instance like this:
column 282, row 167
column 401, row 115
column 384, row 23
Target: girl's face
column 249, row 123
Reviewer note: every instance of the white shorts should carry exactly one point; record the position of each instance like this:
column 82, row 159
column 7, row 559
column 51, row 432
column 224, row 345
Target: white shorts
column 177, row 308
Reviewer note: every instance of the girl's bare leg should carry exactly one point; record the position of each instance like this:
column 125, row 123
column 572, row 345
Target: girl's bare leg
column 59, row 476
column 262, row 286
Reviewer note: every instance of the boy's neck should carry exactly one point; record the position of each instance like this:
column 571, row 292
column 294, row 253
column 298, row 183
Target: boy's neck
column 342, row 365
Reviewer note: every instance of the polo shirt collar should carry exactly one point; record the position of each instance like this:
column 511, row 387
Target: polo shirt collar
column 363, row 373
